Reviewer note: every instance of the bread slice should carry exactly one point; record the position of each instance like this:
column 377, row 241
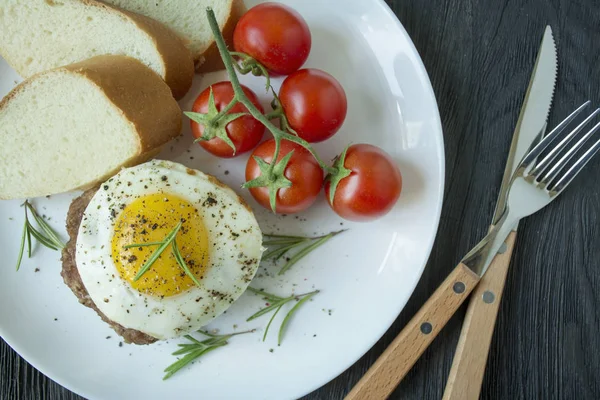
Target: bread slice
column 37, row 35
column 188, row 19
column 74, row 126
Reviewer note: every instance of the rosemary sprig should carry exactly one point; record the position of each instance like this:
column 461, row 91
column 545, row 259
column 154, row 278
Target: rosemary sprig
column 279, row 245
column 52, row 236
column 45, row 235
column 277, row 304
column 196, row 348
column 264, row 294
column 287, row 318
column 182, row 263
column 269, row 324
column 162, row 247
column 170, row 239
column 20, row 257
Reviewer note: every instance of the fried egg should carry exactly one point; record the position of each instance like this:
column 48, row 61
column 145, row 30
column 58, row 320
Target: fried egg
column 219, row 240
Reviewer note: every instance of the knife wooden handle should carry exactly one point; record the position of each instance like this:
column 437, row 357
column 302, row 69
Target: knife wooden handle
column 468, row 366
column 389, row 369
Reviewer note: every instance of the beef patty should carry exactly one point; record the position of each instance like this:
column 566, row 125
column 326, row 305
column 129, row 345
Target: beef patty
column 71, row 276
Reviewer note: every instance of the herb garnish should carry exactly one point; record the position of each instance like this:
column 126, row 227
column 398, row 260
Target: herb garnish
column 197, row 348
column 47, row 236
column 169, row 240
column 277, row 304
column 279, row 245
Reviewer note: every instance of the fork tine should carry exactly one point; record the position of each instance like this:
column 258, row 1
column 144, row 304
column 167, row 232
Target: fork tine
column 543, row 145
column 545, row 162
column 568, row 177
column 556, row 168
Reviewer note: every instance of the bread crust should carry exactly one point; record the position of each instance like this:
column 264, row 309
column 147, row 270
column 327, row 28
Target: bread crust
column 210, row 60
column 129, row 85
column 177, row 60
column 137, row 91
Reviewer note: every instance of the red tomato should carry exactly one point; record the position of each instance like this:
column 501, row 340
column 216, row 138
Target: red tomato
column 302, row 170
column 245, row 132
column 314, row 103
column 275, row 35
column 372, row 188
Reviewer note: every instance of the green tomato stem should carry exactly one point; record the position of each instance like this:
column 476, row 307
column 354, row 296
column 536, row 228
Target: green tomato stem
column 239, row 96
column 226, row 109
column 273, row 114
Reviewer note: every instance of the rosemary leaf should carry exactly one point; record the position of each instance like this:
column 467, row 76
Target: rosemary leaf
column 270, row 321
column 186, row 345
column 279, row 251
column 170, row 237
column 50, row 233
column 129, row 246
column 205, row 333
column 278, row 256
column 285, row 236
column 280, row 242
column 267, row 309
column 29, row 246
column 20, row 258
column 192, row 339
column 182, row 362
column 196, row 345
column 40, row 237
column 182, row 263
column 298, row 256
column 185, row 349
column 264, row 294
column 291, row 312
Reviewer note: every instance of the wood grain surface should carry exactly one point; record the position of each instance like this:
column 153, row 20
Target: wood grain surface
column 479, row 55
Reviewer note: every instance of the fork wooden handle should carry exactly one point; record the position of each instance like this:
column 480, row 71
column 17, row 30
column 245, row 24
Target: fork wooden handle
column 389, row 369
column 470, row 358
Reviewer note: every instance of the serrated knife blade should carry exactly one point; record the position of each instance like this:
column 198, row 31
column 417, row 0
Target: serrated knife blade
column 533, row 116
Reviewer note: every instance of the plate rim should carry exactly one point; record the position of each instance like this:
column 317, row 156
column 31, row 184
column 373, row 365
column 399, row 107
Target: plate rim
column 436, row 122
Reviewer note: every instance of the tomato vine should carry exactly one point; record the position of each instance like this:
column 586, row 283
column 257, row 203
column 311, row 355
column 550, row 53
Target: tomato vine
column 272, row 174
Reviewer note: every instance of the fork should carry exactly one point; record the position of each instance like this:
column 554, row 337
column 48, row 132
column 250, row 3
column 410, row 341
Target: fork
column 534, row 185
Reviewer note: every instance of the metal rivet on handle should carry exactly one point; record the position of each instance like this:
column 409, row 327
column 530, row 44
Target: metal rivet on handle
column 459, row 287
column 488, row 297
column 426, row 328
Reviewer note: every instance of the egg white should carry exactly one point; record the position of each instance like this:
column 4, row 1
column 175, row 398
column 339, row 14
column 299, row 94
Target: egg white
column 235, row 248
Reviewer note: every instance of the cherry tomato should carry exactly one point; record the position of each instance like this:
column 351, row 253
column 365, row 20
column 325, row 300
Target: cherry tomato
column 245, row 132
column 371, row 189
column 274, row 35
column 302, row 170
column 314, row 103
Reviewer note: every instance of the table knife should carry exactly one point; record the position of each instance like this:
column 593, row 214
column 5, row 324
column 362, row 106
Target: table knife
column 470, row 358
column 395, row 362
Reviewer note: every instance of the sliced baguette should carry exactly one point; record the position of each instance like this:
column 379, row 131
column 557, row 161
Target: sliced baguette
column 76, row 125
column 37, row 35
column 188, row 19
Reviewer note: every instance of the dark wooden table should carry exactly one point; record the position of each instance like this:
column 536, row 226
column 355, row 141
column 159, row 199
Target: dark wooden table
column 479, row 55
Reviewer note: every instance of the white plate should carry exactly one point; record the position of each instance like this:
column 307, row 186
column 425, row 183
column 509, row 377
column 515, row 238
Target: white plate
column 366, row 275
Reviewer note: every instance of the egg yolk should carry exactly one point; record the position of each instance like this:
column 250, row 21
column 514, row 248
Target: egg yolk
column 150, row 219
